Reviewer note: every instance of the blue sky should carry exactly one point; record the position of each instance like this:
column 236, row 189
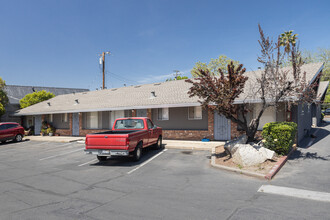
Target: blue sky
column 57, row 42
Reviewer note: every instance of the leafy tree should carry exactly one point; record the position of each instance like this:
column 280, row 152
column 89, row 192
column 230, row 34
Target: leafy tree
column 221, row 62
column 321, row 55
column 3, row 97
column 177, row 78
column 271, row 85
column 287, row 39
column 35, row 97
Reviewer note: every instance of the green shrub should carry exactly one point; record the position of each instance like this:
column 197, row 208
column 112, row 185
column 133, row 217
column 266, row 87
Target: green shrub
column 43, row 131
column 322, row 116
column 50, row 130
column 279, row 136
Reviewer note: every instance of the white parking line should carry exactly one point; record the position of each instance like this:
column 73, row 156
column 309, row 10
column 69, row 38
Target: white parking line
column 61, row 154
column 141, row 165
column 87, row 162
column 298, row 193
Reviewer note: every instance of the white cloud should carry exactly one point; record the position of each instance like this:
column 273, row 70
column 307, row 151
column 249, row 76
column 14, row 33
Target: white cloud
column 159, row 78
column 152, row 78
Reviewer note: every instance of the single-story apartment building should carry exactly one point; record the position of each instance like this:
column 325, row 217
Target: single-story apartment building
column 168, row 105
column 17, row 92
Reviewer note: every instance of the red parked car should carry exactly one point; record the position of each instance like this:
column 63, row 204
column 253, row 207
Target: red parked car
column 11, row 131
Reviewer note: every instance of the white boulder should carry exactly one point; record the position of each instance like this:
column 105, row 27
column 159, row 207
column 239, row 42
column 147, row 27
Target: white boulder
column 231, row 147
column 246, row 155
column 269, row 154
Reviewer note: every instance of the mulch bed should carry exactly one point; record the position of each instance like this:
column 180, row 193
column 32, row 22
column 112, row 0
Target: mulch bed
column 223, row 159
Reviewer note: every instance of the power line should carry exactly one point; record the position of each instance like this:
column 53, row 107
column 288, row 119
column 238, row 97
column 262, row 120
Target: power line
column 120, row 77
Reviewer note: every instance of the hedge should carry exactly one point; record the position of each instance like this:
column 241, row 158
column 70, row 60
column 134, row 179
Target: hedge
column 279, row 136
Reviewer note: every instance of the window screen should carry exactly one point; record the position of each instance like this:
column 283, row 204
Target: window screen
column 163, row 114
column 195, row 113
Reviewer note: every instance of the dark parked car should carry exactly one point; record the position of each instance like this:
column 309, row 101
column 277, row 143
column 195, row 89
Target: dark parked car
column 11, row 131
column 327, row 111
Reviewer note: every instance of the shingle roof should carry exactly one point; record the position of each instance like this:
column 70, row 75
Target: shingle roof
column 167, row 94
column 15, row 92
column 251, row 94
column 321, row 90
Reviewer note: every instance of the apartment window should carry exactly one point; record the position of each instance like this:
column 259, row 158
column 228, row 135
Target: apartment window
column 128, row 113
column 195, row 113
column 92, row 121
column 163, row 114
column 65, row 117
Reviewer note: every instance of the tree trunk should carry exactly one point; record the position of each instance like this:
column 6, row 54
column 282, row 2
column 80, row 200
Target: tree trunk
column 250, row 133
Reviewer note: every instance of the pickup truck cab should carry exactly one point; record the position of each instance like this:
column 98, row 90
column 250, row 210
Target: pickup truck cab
column 127, row 137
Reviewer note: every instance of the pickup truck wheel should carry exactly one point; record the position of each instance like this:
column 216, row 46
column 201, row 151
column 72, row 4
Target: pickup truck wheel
column 159, row 144
column 137, row 153
column 101, row 158
column 18, row 138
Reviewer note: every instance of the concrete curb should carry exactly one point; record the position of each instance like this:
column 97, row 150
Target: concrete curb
column 279, row 165
column 188, row 148
column 268, row 176
column 79, row 141
column 249, row 173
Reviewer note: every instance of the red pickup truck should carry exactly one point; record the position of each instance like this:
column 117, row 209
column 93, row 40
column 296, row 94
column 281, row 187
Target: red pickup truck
column 127, row 137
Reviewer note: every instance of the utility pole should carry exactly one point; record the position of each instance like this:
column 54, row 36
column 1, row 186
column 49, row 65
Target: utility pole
column 103, row 67
column 177, row 73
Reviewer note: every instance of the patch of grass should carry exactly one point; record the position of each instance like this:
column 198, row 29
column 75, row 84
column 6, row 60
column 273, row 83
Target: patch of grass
column 239, row 166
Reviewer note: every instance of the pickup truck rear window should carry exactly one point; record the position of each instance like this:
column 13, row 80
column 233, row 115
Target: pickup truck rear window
column 129, row 124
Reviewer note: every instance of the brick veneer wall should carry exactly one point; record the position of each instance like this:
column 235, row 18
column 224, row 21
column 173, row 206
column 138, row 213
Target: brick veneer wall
column 167, row 134
column 64, row 132
column 192, row 134
column 83, row 132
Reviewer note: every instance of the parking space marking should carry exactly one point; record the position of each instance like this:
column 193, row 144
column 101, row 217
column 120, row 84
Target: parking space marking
column 35, row 146
column 87, row 162
column 293, row 192
column 45, row 158
column 144, row 163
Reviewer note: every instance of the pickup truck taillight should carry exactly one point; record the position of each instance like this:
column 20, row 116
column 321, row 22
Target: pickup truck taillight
column 86, row 141
column 127, row 142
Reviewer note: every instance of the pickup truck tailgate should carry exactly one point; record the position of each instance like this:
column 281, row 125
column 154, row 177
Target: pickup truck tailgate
column 94, row 141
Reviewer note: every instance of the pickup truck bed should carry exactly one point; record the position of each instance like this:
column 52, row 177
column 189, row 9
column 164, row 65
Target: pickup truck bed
column 124, row 141
column 118, row 132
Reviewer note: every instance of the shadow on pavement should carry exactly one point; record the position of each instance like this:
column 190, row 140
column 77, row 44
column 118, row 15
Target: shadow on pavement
column 313, row 156
column 147, row 153
column 317, row 134
column 324, row 123
column 12, row 142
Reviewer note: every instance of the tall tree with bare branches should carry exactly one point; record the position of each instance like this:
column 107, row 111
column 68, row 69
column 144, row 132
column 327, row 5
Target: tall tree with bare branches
column 267, row 87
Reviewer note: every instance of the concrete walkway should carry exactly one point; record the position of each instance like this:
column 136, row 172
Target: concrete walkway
column 61, row 139
column 309, row 166
column 176, row 144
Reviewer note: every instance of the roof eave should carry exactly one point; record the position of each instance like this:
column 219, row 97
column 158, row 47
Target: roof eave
column 112, row 109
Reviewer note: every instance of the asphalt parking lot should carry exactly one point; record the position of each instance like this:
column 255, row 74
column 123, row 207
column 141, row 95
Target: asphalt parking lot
column 47, row 180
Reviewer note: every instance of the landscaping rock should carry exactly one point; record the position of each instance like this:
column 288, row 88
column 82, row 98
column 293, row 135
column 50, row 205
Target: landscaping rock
column 230, row 146
column 269, row 154
column 246, row 155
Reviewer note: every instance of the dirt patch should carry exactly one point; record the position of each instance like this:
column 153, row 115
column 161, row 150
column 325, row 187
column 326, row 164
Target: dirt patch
column 223, row 159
